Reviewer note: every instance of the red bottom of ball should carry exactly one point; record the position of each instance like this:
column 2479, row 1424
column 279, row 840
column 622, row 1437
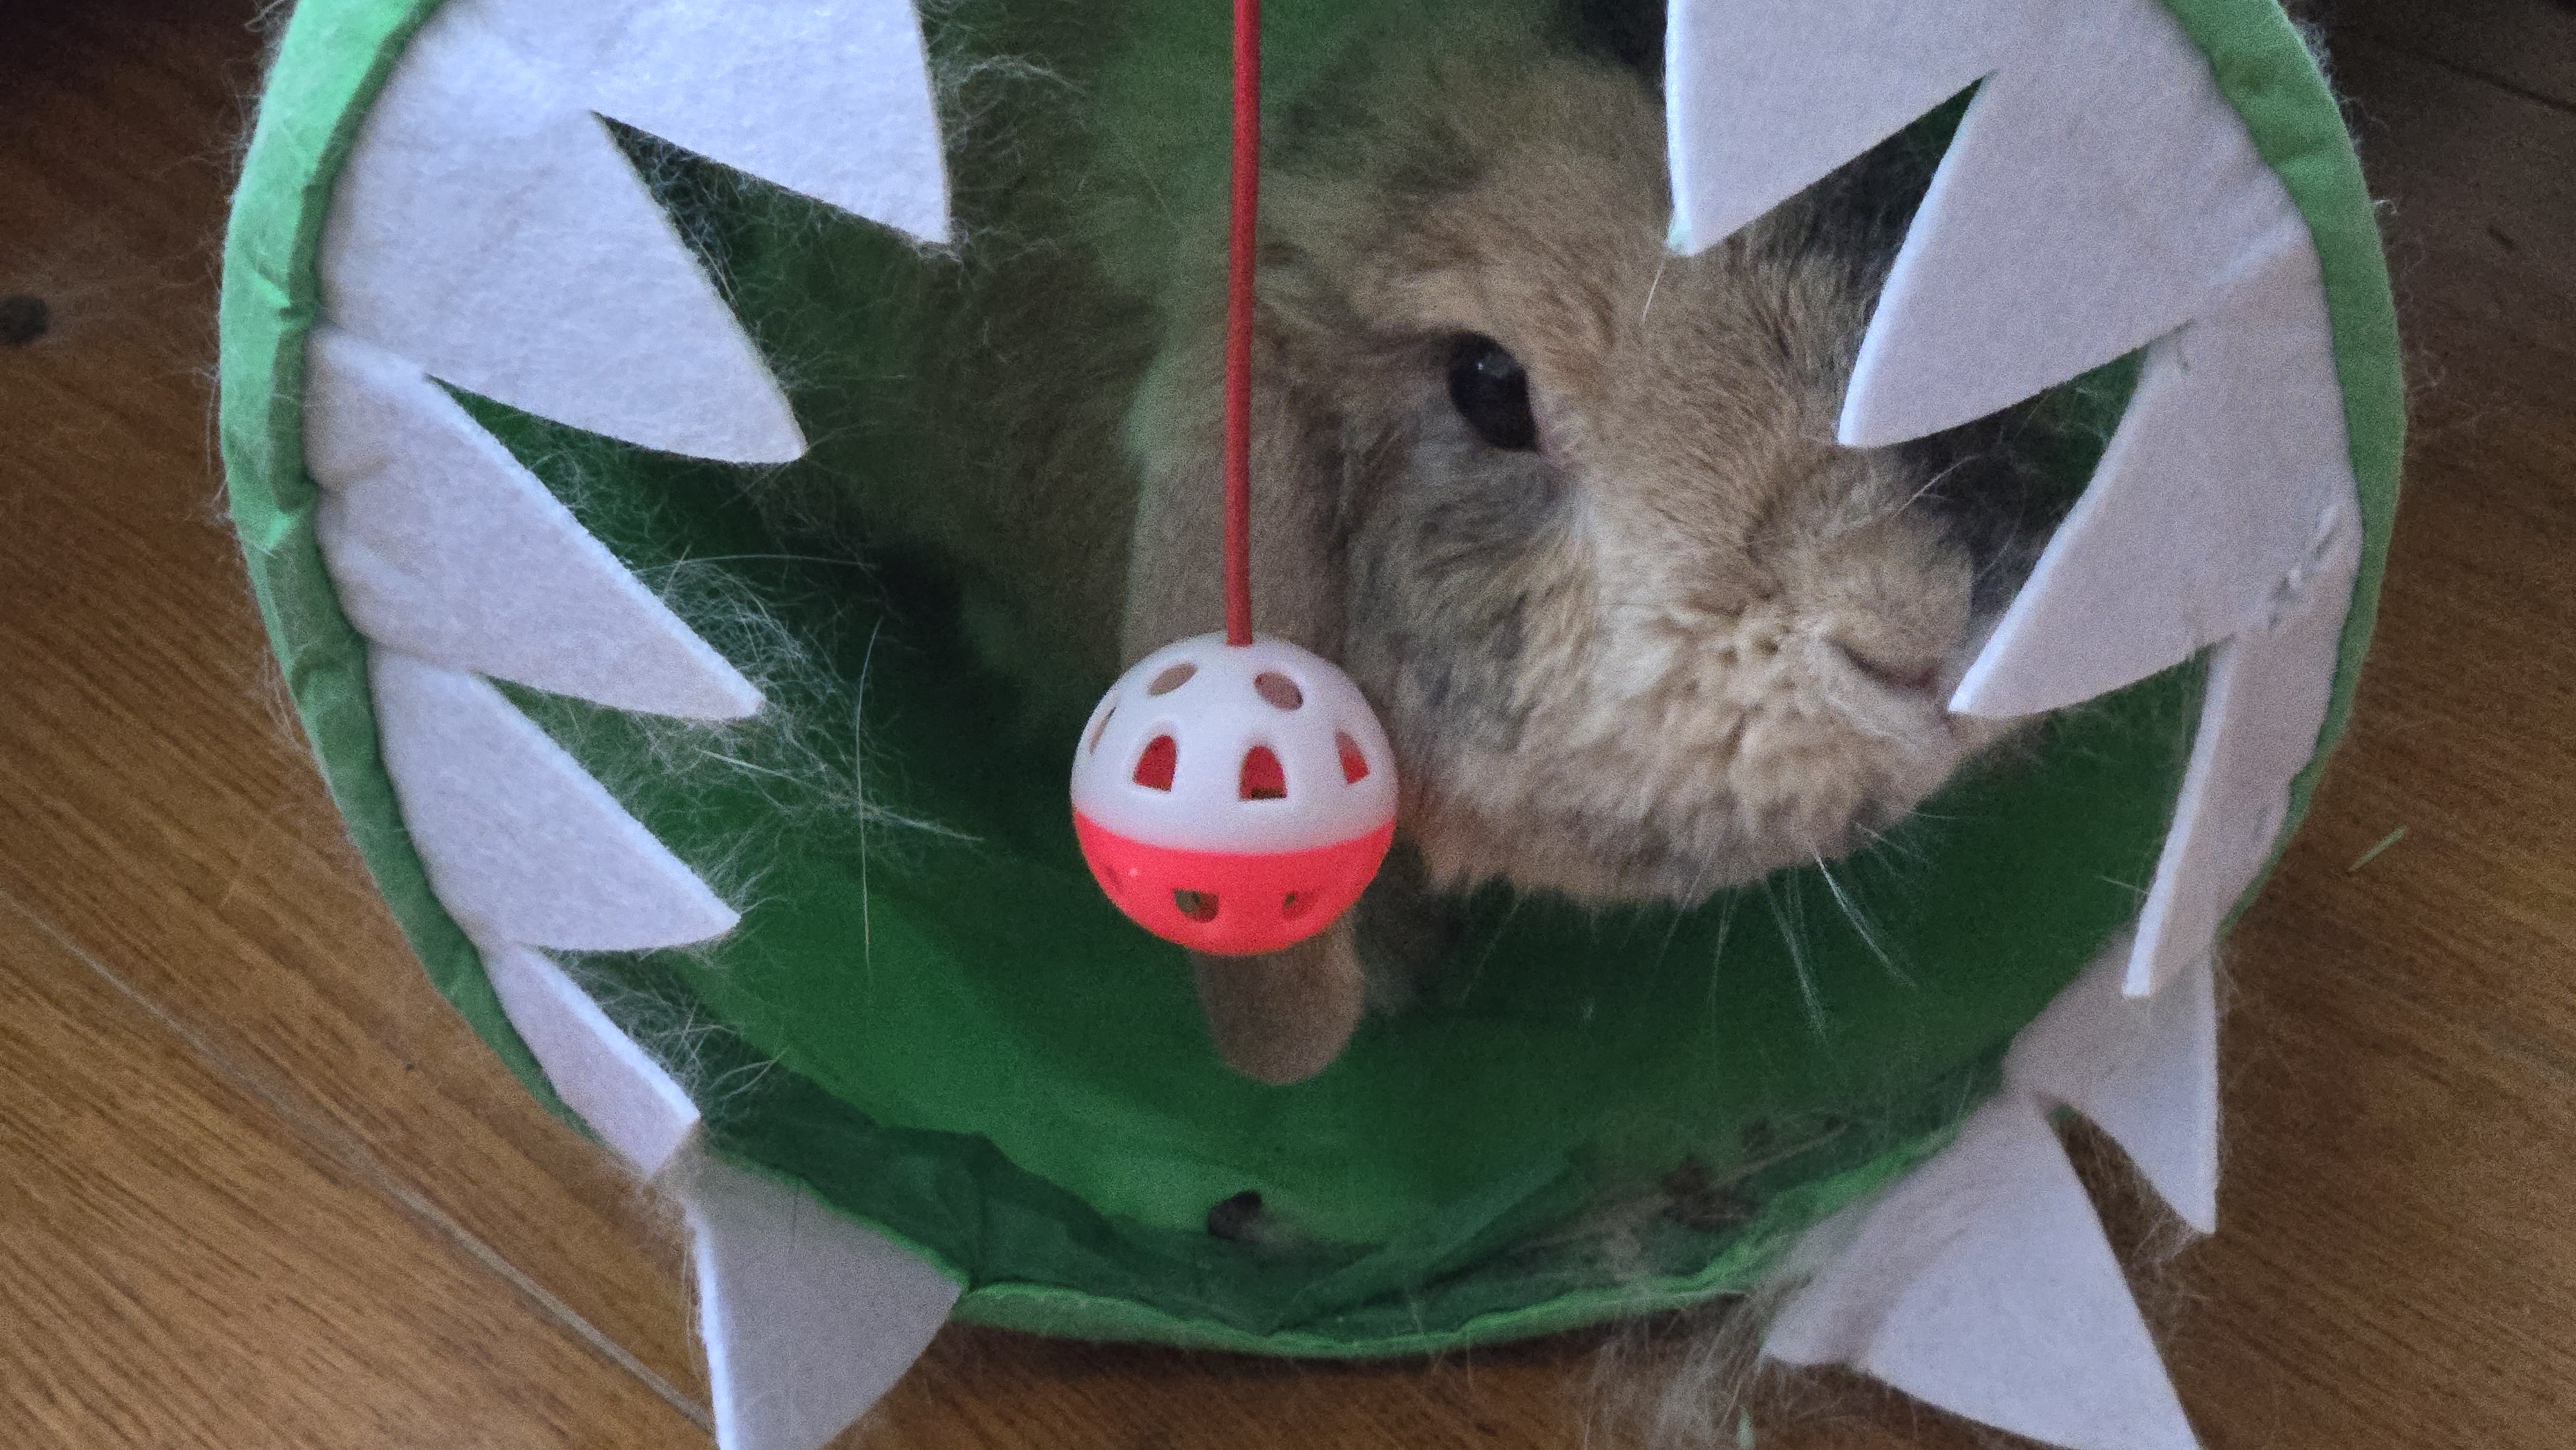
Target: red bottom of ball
column 1226, row 903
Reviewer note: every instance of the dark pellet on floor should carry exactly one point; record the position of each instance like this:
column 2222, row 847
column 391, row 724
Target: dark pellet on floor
column 23, row 319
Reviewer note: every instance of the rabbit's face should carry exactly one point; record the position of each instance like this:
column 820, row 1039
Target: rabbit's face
column 1639, row 627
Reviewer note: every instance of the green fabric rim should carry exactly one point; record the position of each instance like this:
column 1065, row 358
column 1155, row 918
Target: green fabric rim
column 2265, row 71
column 335, row 55
column 329, row 65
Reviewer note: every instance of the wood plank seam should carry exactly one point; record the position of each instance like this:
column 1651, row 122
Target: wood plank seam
column 2469, row 73
column 352, row 1157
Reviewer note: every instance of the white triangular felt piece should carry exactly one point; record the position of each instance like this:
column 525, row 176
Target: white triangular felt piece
column 2267, row 696
column 520, row 843
column 2144, row 1070
column 441, row 545
column 829, row 99
column 1981, row 1283
column 2229, row 465
column 807, row 1317
column 1828, row 1314
column 2100, row 187
column 1763, row 99
column 637, row 1109
column 486, row 226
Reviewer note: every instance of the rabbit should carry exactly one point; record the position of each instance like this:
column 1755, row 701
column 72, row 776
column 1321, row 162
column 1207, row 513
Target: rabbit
column 1566, row 506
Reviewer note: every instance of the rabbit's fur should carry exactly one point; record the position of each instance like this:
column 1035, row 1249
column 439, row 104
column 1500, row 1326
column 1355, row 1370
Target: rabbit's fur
column 1684, row 641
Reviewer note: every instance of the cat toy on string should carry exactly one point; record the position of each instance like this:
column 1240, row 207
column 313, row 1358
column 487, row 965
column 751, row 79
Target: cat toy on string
column 1234, row 793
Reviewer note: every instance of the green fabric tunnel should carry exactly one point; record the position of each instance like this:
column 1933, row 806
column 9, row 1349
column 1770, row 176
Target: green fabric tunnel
column 744, row 852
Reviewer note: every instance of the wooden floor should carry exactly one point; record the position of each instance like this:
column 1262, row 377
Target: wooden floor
column 258, row 1187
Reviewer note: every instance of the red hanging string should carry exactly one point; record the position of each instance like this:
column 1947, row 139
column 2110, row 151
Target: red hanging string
column 1238, row 322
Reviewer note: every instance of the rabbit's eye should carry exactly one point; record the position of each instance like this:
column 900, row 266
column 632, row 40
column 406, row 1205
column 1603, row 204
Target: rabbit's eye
column 1491, row 392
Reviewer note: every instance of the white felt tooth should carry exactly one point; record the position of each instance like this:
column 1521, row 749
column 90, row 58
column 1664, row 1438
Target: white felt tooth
column 829, row 99
column 2267, row 696
column 2230, row 462
column 1981, row 1283
column 807, row 1317
column 1764, row 98
column 2100, row 187
column 441, row 545
column 2144, row 1070
column 519, row 842
column 486, row 226
column 626, row 1097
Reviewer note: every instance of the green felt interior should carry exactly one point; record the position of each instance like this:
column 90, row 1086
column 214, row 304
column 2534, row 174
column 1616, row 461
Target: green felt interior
column 924, row 994
column 949, row 1034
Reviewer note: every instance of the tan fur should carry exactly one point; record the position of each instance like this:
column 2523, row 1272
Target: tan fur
column 1688, row 642
column 1283, row 1017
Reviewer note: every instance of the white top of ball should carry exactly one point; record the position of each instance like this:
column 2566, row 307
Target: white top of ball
column 1218, row 706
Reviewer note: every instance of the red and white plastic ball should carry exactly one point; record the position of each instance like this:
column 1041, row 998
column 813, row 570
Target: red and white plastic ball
column 1235, row 799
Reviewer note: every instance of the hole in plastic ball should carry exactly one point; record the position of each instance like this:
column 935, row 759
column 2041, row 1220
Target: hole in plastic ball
column 1196, row 905
column 1355, row 766
column 1101, row 729
column 1154, row 768
column 1278, row 689
column 1172, row 678
column 1263, row 780
column 1294, row 905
